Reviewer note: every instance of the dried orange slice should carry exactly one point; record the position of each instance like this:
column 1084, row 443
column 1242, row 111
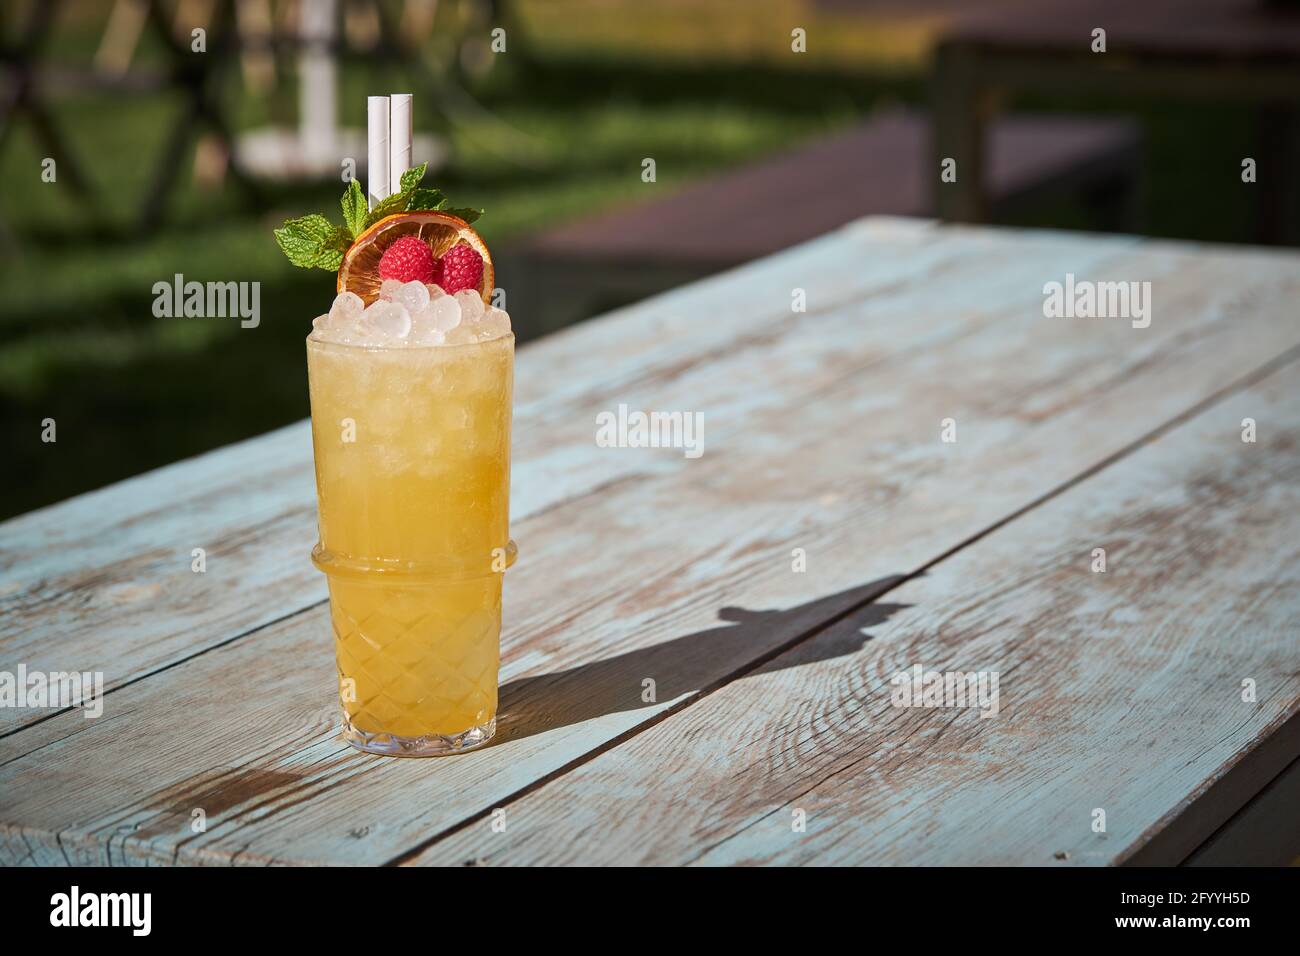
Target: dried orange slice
column 359, row 272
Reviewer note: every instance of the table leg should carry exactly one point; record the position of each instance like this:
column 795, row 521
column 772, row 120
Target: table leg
column 961, row 107
column 1278, row 135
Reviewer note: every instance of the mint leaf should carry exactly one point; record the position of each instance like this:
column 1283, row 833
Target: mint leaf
column 469, row 215
column 338, row 240
column 313, row 242
column 314, row 226
column 423, row 198
column 329, row 260
column 411, row 178
column 401, row 201
column 354, row 208
column 386, row 207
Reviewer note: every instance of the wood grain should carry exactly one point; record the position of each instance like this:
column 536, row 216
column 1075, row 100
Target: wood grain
column 823, row 434
column 1119, row 690
column 103, row 582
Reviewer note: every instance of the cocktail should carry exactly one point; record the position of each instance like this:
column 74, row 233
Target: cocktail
column 411, row 375
column 412, row 451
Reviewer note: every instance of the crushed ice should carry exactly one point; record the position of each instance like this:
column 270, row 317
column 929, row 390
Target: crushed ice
column 411, row 313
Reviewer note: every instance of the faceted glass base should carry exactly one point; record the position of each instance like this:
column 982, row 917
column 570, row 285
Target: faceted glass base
column 430, row 745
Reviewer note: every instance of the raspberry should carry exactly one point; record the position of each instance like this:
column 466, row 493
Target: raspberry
column 406, row 260
column 461, row 268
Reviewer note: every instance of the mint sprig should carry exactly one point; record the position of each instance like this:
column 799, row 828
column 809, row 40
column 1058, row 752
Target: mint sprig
column 355, row 208
column 313, row 242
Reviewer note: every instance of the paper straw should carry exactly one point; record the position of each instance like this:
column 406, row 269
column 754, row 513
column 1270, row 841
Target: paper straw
column 399, row 139
column 377, row 147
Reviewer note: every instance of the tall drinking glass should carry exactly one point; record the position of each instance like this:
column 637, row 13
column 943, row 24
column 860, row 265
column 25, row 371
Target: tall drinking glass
column 412, row 450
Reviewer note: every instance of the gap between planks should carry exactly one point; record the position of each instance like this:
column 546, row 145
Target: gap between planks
column 129, row 682
column 305, row 609
column 1062, row 478
column 666, row 372
column 936, row 544
column 1246, row 381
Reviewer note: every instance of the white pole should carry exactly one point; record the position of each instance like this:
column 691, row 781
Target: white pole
column 377, row 148
column 317, row 113
column 399, row 139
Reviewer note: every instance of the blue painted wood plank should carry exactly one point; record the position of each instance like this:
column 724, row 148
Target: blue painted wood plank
column 827, row 438
column 1120, row 694
column 105, row 581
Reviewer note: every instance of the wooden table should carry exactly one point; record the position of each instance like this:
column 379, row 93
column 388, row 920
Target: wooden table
column 1120, row 691
column 1237, row 51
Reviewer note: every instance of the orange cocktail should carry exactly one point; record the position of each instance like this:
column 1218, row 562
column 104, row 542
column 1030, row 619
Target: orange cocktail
column 412, row 451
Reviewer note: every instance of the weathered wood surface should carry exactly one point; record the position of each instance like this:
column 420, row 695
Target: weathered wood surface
column 822, row 432
column 1119, row 690
column 104, row 581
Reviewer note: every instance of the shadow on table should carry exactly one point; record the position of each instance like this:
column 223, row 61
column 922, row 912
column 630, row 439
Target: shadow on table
column 683, row 665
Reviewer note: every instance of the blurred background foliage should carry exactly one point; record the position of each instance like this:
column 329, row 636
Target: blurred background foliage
column 552, row 130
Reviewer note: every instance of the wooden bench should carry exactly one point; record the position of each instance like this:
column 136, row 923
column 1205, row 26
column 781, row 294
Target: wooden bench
column 1241, row 52
column 881, row 167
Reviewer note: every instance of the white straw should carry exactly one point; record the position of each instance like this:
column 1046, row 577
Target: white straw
column 399, row 139
column 377, row 147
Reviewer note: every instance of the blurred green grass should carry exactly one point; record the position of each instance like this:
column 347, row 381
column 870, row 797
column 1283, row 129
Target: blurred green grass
column 79, row 343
